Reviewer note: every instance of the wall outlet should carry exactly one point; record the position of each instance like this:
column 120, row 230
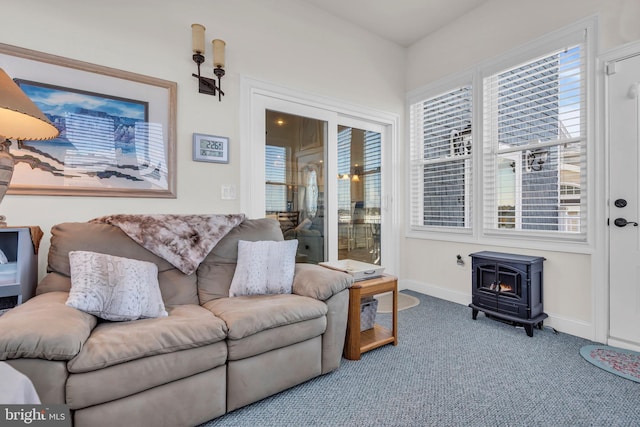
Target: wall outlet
column 228, row 192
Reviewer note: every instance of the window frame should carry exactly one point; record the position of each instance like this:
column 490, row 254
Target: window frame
column 583, row 31
column 447, row 85
column 491, row 153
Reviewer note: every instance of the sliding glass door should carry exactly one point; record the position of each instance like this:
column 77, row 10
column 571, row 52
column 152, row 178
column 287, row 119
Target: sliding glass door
column 321, row 174
column 295, row 180
column 295, row 186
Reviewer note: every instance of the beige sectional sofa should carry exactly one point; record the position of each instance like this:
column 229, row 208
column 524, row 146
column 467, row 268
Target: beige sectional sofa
column 212, row 354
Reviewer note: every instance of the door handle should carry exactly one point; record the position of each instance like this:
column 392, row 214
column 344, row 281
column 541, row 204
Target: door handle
column 621, row 222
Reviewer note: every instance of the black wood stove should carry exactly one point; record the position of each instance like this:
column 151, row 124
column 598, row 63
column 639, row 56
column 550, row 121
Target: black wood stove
column 508, row 287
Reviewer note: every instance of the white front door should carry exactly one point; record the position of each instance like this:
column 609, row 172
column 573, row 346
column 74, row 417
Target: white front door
column 623, row 99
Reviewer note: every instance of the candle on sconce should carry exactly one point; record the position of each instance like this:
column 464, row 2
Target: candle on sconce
column 197, row 38
column 218, row 53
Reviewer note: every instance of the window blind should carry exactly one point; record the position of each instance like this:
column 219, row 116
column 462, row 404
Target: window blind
column 441, row 150
column 344, row 168
column 535, row 144
column 275, row 175
column 371, row 173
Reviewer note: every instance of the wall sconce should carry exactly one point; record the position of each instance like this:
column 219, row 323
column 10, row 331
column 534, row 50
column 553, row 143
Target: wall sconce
column 535, row 159
column 355, row 175
column 207, row 85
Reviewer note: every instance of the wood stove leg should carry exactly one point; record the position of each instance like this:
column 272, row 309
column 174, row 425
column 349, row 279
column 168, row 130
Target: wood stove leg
column 474, row 313
column 529, row 328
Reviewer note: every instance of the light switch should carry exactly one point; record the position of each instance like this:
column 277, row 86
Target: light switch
column 228, row 192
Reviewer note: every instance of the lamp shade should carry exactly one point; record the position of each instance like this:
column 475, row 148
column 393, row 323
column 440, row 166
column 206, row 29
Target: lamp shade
column 218, row 52
column 197, row 38
column 20, row 118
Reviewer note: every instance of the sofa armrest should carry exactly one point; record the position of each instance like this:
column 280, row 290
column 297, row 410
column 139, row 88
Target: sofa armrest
column 321, row 283
column 44, row 328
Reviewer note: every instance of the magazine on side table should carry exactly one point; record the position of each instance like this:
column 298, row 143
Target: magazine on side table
column 358, row 269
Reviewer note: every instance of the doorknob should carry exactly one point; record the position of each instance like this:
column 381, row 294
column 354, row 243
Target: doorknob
column 621, row 222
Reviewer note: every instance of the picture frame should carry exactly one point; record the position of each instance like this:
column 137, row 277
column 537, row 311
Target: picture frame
column 117, row 129
column 210, row 148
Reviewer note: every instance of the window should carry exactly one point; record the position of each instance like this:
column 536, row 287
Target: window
column 535, row 113
column 441, row 153
column 367, row 173
column 371, row 176
column 529, row 144
column 276, row 174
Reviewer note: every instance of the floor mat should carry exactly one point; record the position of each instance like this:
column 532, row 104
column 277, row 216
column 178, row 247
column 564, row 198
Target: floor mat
column 618, row 361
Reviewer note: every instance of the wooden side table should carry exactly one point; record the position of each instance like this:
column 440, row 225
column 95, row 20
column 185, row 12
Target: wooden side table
column 359, row 342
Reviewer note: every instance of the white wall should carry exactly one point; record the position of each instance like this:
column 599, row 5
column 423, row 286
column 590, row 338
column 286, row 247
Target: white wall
column 496, row 27
column 282, row 42
column 500, row 25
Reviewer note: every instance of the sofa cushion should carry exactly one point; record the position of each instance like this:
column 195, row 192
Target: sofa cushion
column 114, row 288
column 54, row 282
column 176, row 287
column 264, row 267
column 271, row 339
column 248, row 315
column 216, row 271
column 44, row 327
column 110, row 343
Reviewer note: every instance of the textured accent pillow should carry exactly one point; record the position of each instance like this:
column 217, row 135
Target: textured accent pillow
column 264, row 267
column 114, row 288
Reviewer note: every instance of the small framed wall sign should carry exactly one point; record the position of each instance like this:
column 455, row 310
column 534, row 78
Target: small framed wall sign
column 210, row 148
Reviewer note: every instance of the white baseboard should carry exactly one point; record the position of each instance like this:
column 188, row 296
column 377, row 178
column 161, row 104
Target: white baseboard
column 563, row 324
column 623, row 344
column 435, row 291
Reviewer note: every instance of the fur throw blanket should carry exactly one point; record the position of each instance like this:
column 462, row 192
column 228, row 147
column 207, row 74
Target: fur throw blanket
column 182, row 240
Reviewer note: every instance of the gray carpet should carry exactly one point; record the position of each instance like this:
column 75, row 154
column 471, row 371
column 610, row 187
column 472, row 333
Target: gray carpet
column 449, row 370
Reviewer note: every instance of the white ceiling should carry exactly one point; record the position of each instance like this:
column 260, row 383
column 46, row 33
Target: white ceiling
column 401, row 21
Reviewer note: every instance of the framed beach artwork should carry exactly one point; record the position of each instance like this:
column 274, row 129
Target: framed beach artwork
column 117, row 129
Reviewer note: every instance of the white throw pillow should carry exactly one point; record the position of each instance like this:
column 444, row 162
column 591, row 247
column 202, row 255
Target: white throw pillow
column 114, row 288
column 264, row 267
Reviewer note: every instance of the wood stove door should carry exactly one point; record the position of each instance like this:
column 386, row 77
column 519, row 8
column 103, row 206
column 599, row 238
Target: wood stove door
column 624, row 197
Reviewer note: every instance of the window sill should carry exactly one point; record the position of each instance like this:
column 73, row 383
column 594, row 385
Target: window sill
column 533, row 242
